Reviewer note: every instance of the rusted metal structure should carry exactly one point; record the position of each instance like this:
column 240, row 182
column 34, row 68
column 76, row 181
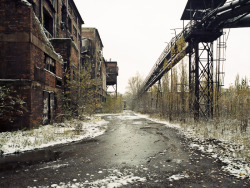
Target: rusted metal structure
column 207, row 20
column 112, row 73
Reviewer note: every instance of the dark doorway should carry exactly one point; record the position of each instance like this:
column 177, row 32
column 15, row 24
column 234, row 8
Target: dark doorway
column 48, row 107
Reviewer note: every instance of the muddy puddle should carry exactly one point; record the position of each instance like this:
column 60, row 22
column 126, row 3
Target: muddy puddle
column 19, row 160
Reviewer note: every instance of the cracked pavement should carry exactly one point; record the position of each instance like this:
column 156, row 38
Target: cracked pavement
column 133, row 152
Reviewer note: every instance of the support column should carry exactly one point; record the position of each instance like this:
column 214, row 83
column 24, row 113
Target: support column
column 201, row 79
column 196, row 83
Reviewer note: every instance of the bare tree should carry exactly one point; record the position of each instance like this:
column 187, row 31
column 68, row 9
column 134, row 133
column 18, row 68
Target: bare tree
column 134, row 85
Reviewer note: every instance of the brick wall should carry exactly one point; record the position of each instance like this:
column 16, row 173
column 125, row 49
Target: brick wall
column 15, row 60
column 68, row 51
column 36, row 104
column 23, row 47
column 16, row 18
column 74, row 58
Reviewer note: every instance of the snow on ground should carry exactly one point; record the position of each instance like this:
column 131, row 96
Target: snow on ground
column 49, row 135
column 225, row 144
column 178, row 177
column 114, row 180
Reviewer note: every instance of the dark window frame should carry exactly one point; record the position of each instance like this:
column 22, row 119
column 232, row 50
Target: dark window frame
column 50, row 64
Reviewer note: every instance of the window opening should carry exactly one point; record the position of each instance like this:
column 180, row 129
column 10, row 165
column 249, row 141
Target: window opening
column 64, row 14
column 47, row 22
column 50, row 64
column 70, row 25
column 59, row 82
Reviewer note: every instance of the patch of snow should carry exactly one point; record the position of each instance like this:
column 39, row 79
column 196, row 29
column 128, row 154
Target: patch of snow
column 137, row 123
column 46, row 38
column 116, row 179
column 230, row 148
column 178, row 161
column 44, row 136
column 178, row 177
column 239, row 170
column 26, row 2
column 54, row 166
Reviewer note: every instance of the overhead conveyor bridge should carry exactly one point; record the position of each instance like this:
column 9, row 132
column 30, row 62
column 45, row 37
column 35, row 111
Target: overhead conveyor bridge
column 207, row 19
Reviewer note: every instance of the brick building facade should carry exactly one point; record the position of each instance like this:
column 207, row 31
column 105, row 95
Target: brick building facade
column 32, row 35
column 92, row 47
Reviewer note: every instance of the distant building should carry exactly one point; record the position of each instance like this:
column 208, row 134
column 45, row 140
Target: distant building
column 39, row 41
column 92, row 47
column 112, row 73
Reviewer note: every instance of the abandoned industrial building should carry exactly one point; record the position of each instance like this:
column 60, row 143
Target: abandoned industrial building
column 41, row 41
column 92, row 47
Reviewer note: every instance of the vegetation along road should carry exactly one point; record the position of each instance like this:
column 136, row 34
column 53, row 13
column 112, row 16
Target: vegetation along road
column 133, row 152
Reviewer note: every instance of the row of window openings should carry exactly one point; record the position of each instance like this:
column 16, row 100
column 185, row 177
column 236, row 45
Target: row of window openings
column 48, row 24
column 74, row 29
column 64, row 17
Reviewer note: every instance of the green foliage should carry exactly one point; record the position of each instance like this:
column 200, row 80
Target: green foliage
column 178, row 47
column 236, row 101
column 113, row 104
column 81, row 96
column 11, row 104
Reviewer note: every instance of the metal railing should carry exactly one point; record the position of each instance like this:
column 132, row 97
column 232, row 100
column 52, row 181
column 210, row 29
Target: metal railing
column 167, row 50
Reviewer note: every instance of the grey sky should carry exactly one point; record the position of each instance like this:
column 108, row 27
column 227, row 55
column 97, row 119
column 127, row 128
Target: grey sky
column 134, row 33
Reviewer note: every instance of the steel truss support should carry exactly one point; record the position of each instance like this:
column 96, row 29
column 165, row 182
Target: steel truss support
column 114, row 89
column 159, row 95
column 201, row 79
column 219, row 81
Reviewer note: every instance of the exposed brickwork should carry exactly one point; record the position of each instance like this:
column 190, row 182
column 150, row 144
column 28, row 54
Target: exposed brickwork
column 15, row 56
column 63, row 47
column 74, row 58
column 23, row 48
column 36, row 103
column 98, row 62
column 16, row 18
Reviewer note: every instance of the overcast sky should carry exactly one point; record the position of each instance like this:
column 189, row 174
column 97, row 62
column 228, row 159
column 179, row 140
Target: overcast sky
column 134, row 33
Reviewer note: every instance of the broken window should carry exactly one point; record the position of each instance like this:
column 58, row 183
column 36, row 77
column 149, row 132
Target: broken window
column 70, row 25
column 47, row 21
column 50, row 64
column 58, row 82
column 64, row 14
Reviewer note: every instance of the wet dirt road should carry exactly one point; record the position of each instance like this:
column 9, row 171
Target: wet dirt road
column 134, row 152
